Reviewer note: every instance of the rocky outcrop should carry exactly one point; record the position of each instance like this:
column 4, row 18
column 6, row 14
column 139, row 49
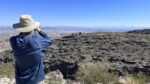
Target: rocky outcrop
column 7, row 80
column 54, row 77
column 6, row 56
column 124, row 52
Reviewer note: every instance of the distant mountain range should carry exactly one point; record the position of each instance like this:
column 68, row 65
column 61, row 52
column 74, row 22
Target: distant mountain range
column 91, row 29
column 98, row 29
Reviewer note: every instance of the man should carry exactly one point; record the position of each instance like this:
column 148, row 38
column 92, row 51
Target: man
column 27, row 48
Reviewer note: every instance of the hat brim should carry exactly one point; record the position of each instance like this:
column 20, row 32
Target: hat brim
column 20, row 28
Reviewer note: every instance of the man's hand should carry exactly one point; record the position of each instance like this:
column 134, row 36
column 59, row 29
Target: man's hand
column 37, row 29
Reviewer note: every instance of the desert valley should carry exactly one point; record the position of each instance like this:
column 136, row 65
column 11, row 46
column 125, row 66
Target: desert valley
column 88, row 57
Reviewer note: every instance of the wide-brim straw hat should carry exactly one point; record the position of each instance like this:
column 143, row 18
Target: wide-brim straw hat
column 26, row 24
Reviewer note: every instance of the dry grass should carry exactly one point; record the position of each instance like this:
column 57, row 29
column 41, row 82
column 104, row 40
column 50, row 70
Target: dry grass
column 7, row 70
column 92, row 73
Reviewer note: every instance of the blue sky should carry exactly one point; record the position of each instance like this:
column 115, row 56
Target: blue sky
column 78, row 12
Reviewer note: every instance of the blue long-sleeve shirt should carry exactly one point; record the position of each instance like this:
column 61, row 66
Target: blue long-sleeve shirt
column 27, row 51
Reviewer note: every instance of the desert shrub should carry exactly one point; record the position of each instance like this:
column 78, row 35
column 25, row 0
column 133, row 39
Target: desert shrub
column 100, row 77
column 92, row 73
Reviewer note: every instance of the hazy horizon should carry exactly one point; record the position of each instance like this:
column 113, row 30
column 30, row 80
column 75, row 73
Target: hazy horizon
column 82, row 28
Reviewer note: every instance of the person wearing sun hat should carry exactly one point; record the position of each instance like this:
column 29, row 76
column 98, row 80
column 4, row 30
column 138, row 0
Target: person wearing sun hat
column 26, row 24
column 27, row 49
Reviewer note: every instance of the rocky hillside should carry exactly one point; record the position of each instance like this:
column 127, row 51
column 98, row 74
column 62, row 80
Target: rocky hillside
column 120, row 53
column 142, row 31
